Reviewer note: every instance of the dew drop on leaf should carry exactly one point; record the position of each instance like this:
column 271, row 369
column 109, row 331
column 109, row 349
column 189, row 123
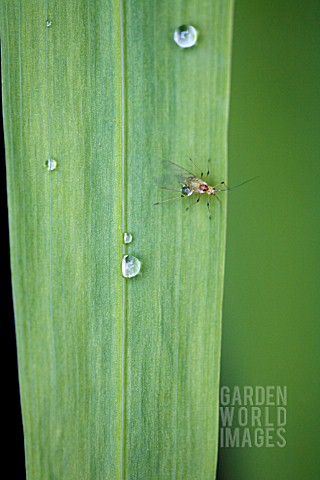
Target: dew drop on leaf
column 127, row 237
column 130, row 266
column 185, row 36
column 51, row 164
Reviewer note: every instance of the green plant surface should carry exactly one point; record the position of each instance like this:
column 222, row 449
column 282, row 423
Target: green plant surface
column 119, row 377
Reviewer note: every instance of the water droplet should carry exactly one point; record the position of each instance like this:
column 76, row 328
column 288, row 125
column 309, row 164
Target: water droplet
column 185, row 191
column 51, row 164
column 185, row 36
column 130, row 266
column 127, row 237
column 48, row 23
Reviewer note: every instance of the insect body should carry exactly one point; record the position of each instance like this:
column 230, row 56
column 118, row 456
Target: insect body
column 191, row 184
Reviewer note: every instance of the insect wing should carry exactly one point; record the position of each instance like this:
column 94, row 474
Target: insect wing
column 174, row 175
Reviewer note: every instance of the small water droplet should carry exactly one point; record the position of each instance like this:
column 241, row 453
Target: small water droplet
column 51, row 164
column 185, row 191
column 48, row 23
column 130, row 266
column 185, row 36
column 127, row 237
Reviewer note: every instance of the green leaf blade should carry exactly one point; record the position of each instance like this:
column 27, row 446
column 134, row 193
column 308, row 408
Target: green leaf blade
column 119, row 377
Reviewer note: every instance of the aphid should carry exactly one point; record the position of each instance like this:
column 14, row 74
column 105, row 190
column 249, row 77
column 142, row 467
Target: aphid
column 191, row 184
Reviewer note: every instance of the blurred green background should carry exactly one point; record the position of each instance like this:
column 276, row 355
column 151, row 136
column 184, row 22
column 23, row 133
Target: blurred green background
column 271, row 327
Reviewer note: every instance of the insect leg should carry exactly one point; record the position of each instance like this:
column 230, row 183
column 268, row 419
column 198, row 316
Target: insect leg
column 197, row 201
column 169, row 200
column 208, row 169
column 196, row 166
column 208, row 206
column 220, row 183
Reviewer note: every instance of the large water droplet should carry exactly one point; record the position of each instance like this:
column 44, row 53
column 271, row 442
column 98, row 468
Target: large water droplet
column 127, row 237
column 51, row 164
column 185, row 36
column 130, row 266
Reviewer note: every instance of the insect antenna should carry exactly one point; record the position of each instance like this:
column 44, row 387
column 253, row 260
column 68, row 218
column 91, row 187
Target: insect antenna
column 237, row 186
